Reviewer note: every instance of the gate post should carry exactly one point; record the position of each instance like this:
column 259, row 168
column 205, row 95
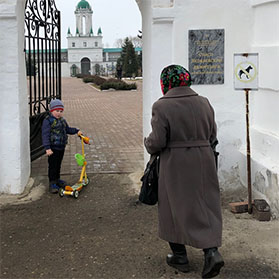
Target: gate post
column 14, row 116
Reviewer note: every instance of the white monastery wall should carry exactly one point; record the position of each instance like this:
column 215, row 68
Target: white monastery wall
column 65, row 69
column 93, row 51
column 250, row 26
column 14, row 119
column 265, row 102
column 75, row 56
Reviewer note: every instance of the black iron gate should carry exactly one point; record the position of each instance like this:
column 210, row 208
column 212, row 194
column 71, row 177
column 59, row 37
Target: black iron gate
column 43, row 64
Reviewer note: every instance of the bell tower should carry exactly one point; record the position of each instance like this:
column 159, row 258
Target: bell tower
column 83, row 14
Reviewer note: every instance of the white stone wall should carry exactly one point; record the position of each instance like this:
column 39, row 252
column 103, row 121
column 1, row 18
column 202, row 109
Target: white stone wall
column 91, row 51
column 90, row 41
column 65, row 69
column 265, row 102
column 95, row 55
column 14, row 119
column 250, row 26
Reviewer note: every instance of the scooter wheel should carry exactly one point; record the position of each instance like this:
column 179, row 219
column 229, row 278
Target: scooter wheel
column 61, row 192
column 76, row 194
column 85, row 183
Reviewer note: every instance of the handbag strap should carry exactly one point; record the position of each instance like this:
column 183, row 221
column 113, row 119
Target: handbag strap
column 152, row 158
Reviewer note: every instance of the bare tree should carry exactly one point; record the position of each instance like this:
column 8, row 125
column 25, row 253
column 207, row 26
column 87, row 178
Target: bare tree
column 137, row 42
column 119, row 42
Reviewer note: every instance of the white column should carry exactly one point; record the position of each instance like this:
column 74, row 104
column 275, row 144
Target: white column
column 79, row 23
column 14, row 118
column 157, row 53
column 88, row 23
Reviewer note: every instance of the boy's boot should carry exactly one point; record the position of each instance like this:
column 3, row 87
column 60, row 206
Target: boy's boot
column 53, row 187
column 61, row 183
column 213, row 262
column 179, row 258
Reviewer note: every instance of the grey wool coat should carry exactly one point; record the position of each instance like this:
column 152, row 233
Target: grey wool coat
column 189, row 209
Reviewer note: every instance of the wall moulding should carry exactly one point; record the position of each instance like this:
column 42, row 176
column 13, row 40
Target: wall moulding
column 7, row 16
column 163, row 20
column 255, row 3
column 163, row 3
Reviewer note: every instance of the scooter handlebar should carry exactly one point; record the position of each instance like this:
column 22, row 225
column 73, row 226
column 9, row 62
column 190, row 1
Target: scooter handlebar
column 85, row 139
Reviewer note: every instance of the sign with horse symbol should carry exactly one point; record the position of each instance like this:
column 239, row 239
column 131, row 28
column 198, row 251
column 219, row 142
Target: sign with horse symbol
column 246, row 71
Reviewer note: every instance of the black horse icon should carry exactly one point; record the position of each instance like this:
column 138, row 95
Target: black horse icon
column 247, row 70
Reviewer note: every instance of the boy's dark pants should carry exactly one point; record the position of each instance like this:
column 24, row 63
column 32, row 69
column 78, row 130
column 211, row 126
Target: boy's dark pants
column 54, row 165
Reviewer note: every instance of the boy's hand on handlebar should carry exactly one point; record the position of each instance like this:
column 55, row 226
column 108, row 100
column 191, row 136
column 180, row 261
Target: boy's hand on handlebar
column 79, row 133
column 49, row 152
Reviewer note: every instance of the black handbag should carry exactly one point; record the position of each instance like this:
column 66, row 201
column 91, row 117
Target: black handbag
column 149, row 189
column 216, row 154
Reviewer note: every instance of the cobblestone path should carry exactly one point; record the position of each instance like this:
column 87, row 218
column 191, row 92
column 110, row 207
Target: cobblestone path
column 112, row 120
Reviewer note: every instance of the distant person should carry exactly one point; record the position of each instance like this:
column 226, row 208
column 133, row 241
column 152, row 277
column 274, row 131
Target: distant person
column 189, row 209
column 119, row 72
column 55, row 132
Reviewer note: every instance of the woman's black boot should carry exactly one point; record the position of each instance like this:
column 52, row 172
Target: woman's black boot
column 179, row 258
column 213, row 262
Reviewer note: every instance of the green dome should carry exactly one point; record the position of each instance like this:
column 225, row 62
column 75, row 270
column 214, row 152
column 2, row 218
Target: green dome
column 83, row 4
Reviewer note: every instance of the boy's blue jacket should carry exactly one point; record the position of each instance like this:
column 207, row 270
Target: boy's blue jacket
column 54, row 132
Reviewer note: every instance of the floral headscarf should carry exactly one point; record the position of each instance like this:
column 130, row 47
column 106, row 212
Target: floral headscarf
column 174, row 76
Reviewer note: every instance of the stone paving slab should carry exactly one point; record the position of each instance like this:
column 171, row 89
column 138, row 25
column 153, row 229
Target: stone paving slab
column 112, row 120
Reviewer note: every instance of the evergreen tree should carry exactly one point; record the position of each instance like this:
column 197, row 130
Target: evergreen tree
column 139, row 57
column 31, row 68
column 119, row 64
column 97, row 69
column 129, row 59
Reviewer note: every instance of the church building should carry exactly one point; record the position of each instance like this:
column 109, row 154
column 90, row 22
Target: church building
column 85, row 53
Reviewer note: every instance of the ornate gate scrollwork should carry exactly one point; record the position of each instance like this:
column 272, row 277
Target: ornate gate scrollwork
column 43, row 64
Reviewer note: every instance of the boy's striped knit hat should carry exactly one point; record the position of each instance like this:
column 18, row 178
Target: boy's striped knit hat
column 56, row 104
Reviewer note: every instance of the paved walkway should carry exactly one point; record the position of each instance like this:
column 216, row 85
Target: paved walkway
column 112, row 120
column 106, row 233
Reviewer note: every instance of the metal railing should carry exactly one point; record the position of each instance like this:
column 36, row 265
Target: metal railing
column 43, row 63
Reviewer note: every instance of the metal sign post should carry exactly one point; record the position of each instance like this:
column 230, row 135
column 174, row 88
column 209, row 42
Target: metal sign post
column 249, row 184
column 246, row 78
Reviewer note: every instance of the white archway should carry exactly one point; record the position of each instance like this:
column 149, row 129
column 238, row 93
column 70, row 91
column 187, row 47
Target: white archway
column 14, row 122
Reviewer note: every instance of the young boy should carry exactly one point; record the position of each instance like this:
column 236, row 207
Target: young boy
column 55, row 138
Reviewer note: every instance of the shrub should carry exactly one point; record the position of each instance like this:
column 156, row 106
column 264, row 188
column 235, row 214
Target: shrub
column 98, row 80
column 114, row 80
column 118, row 85
column 95, row 79
column 109, row 83
column 88, row 79
column 81, row 75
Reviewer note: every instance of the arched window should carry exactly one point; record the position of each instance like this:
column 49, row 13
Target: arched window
column 74, row 70
column 83, row 25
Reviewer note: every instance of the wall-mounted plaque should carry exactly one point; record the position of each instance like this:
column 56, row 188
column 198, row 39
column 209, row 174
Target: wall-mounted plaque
column 206, row 56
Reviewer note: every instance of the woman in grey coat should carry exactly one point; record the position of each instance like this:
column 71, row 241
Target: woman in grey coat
column 189, row 210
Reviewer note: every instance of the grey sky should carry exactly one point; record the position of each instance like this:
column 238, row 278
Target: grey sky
column 117, row 18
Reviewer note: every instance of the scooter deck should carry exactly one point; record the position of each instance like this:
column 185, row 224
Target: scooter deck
column 76, row 187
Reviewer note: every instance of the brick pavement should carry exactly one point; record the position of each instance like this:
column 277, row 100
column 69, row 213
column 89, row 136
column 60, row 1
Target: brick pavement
column 112, row 120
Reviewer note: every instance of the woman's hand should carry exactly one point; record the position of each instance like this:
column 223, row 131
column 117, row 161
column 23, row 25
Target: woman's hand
column 49, row 152
column 79, row 133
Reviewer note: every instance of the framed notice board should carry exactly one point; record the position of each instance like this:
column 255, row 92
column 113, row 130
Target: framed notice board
column 206, row 56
